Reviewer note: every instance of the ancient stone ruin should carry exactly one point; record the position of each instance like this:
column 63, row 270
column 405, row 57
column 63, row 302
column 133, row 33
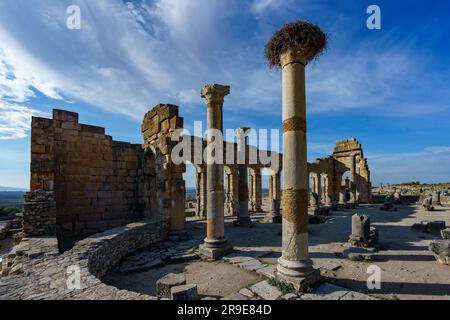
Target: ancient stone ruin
column 101, row 208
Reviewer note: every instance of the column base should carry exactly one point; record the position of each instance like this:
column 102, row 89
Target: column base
column 350, row 205
column 214, row 253
column 301, row 284
column 300, row 274
column 272, row 218
column 243, row 222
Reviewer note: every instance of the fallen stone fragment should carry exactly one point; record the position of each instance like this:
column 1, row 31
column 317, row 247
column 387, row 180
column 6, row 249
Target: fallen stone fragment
column 267, row 292
column 435, row 227
column 165, row 284
column 289, row 296
column 184, row 292
column 359, row 254
column 441, row 250
column 445, row 233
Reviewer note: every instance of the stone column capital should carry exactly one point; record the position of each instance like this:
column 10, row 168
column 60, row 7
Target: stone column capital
column 214, row 93
column 243, row 130
column 293, row 55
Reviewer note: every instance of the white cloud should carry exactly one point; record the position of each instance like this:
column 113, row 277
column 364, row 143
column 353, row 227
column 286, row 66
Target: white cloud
column 427, row 165
column 15, row 120
column 259, row 6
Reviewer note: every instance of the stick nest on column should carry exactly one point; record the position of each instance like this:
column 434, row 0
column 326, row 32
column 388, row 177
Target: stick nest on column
column 300, row 35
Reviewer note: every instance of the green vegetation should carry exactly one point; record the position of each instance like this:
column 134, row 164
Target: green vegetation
column 8, row 211
column 284, row 287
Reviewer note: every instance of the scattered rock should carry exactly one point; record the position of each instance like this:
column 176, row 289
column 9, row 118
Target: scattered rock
column 289, row 296
column 441, row 250
column 445, row 233
column 165, row 284
column 184, row 292
column 359, row 254
column 435, row 227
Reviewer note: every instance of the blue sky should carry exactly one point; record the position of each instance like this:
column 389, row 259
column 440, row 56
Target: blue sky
column 388, row 88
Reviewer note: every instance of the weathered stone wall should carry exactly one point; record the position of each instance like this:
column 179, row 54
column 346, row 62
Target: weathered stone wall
column 98, row 183
column 35, row 269
column 349, row 152
column 158, row 126
column 39, row 215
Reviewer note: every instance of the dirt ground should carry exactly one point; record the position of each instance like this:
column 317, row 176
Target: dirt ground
column 409, row 270
column 214, row 279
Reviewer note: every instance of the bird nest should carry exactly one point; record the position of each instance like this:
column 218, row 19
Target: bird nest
column 300, row 35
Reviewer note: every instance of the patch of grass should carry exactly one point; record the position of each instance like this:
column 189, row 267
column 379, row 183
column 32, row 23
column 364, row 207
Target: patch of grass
column 284, row 287
column 9, row 211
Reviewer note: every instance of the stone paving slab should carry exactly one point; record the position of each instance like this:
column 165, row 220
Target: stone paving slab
column 326, row 291
column 264, row 290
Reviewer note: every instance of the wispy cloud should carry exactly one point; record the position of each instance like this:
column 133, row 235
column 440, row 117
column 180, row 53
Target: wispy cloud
column 15, row 120
column 259, row 6
column 427, row 165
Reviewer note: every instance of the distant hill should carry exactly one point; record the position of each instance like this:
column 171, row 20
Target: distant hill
column 9, row 189
column 11, row 199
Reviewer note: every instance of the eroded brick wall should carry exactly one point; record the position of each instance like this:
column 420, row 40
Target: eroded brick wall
column 98, row 183
column 158, row 127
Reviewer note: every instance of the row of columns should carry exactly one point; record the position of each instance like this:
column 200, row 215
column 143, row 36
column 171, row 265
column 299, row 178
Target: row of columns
column 210, row 195
column 294, row 265
column 232, row 189
column 323, row 191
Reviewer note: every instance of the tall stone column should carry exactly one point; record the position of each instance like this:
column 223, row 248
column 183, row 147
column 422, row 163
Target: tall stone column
column 215, row 245
column 198, row 178
column 243, row 215
column 313, row 182
column 201, row 192
column 352, row 179
column 258, row 190
column 251, row 191
column 319, row 189
column 274, row 215
column 328, row 198
column 234, row 191
column 290, row 50
column 342, row 198
column 232, row 202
